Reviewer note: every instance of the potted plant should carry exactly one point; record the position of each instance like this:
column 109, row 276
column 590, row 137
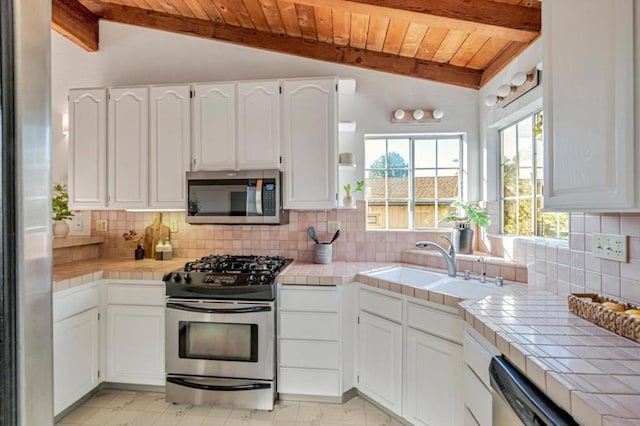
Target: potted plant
column 134, row 238
column 60, row 210
column 462, row 234
column 347, row 201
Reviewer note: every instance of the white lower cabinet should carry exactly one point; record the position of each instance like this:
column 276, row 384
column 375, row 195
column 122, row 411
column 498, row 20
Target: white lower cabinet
column 380, row 360
column 309, row 341
column 135, row 344
column 75, row 358
column 433, row 380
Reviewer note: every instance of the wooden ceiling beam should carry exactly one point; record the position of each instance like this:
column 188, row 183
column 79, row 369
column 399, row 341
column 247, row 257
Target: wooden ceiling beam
column 508, row 54
column 282, row 43
column 482, row 17
column 75, row 22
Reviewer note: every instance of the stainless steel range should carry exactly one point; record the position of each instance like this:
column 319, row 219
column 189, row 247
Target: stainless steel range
column 220, row 331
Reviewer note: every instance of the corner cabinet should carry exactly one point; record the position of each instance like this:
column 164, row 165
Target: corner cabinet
column 128, row 153
column 590, row 153
column 309, row 143
column 169, row 145
column 87, row 148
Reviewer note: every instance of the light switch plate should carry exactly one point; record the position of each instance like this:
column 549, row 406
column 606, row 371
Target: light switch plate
column 173, row 226
column 101, row 225
column 610, row 247
column 333, row 226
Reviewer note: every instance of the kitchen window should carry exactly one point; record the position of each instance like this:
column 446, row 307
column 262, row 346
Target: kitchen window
column 521, row 165
column 411, row 180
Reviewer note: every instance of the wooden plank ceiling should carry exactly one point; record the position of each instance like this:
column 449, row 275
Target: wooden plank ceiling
column 460, row 42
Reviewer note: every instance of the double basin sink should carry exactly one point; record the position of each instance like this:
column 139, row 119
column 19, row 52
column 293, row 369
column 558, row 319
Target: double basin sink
column 433, row 281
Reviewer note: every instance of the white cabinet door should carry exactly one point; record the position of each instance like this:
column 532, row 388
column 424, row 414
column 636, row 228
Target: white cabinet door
column 75, row 358
column 170, row 153
column 258, row 144
column 433, row 380
column 135, row 344
column 380, row 361
column 589, row 105
column 87, row 148
column 310, row 135
column 128, row 148
column 214, row 127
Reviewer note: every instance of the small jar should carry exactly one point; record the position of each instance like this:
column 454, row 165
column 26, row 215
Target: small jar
column 159, row 250
column 139, row 253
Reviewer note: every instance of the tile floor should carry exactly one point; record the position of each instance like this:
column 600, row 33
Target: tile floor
column 128, row 408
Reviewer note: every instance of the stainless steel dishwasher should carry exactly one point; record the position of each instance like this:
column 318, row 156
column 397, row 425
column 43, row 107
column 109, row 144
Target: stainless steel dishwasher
column 526, row 401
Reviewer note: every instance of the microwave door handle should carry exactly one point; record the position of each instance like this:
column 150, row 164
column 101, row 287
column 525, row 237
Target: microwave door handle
column 248, row 310
column 259, row 197
column 202, row 386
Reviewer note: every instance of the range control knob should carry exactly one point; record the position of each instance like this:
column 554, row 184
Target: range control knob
column 187, row 277
column 264, row 278
column 177, row 278
column 251, row 278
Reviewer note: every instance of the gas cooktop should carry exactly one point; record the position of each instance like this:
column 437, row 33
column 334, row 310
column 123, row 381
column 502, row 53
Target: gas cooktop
column 226, row 277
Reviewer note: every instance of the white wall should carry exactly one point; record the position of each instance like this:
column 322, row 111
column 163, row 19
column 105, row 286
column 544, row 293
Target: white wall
column 130, row 55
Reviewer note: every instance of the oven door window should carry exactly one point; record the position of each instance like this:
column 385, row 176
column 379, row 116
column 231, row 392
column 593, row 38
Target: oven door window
column 219, row 341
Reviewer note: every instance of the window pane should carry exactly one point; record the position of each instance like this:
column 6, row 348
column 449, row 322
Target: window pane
column 509, row 183
column 525, row 180
column 375, row 154
column 425, row 216
column 447, row 184
column 398, row 187
column 508, row 142
column 374, row 185
column 398, row 157
column 525, row 142
column 398, row 214
column 376, row 214
column 539, row 139
column 425, row 184
column 448, row 152
column 509, row 217
column 525, row 217
column 425, row 153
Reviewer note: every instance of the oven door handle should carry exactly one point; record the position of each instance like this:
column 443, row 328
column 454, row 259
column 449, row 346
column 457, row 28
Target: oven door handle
column 247, row 387
column 248, row 310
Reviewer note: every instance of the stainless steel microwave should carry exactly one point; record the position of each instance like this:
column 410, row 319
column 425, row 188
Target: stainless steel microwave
column 251, row 197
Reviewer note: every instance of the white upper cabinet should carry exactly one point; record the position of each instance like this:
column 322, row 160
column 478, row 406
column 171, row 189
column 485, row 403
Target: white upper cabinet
column 87, row 148
column 214, row 127
column 589, row 105
column 310, row 135
column 258, row 144
column 169, row 145
column 128, row 151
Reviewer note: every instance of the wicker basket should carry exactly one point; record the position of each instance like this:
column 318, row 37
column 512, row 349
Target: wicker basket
column 587, row 306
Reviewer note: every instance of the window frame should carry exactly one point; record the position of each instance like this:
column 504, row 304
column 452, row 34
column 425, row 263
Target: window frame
column 412, row 137
column 533, row 197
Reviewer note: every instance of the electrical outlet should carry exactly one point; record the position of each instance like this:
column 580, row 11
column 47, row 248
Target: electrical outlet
column 610, row 247
column 333, row 226
column 173, row 226
column 101, row 225
column 76, row 222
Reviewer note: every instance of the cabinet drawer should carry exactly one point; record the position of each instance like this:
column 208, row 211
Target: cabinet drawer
column 477, row 398
column 310, row 354
column 382, row 305
column 301, row 381
column 435, row 322
column 477, row 358
column 131, row 294
column 71, row 304
column 309, row 326
column 312, row 299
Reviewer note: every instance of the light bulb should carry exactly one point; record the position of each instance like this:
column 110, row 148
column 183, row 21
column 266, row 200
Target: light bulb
column 418, row 114
column 398, row 114
column 504, row 90
column 490, row 100
column 519, row 79
column 437, row 114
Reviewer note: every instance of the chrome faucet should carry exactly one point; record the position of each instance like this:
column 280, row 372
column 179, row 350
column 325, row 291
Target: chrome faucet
column 449, row 258
column 483, row 274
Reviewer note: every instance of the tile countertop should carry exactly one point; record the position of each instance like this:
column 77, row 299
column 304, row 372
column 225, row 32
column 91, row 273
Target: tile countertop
column 590, row 372
column 75, row 273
